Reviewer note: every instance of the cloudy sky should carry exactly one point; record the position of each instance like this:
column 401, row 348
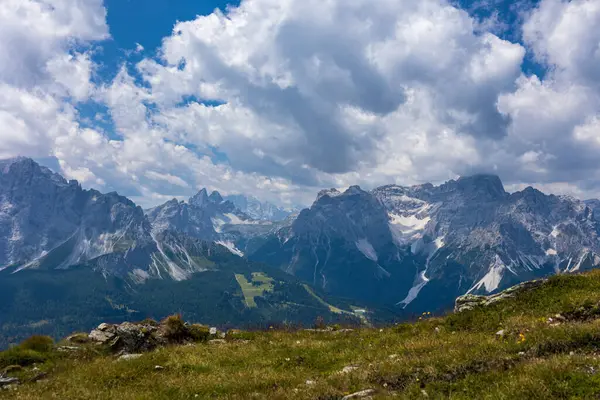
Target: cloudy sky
column 280, row 98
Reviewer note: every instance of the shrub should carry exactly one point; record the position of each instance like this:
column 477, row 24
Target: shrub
column 20, row 356
column 41, row 344
column 320, row 323
column 149, row 321
column 199, row 333
column 175, row 329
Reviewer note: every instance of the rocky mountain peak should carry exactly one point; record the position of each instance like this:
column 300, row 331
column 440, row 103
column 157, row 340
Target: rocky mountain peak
column 25, row 170
column 215, row 197
column 485, row 185
column 328, row 192
column 200, row 198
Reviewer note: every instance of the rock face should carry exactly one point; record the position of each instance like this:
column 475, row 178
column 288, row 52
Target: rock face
column 412, row 248
column 47, row 221
column 420, row 247
column 213, row 218
column 203, row 216
column 343, row 245
column 258, row 210
column 471, row 301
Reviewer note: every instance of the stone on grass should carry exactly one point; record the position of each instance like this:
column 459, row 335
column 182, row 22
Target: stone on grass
column 360, row 395
column 126, row 357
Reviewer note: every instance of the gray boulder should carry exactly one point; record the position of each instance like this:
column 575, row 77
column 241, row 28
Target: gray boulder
column 470, row 301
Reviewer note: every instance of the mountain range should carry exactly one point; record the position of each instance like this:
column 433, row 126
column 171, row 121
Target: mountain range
column 356, row 255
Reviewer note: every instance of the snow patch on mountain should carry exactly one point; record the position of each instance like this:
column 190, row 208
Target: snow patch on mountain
column 491, row 280
column 219, row 221
column 365, row 247
column 414, row 291
column 231, row 247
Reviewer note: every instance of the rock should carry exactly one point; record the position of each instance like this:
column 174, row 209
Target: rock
column 127, row 357
column 470, row 301
column 340, row 331
column 5, row 381
column 500, row 333
column 104, row 327
column 101, row 337
column 135, row 338
column 128, row 337
column 348, row 369
column 68, row 349
column 217, row 341
column 159, row 367
column 359, row 395
column 212, row 331
column 78, row 338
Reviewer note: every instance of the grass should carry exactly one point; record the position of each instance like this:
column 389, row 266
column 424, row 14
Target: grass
column 258, row 285
column 457, row 356
column 333, row 309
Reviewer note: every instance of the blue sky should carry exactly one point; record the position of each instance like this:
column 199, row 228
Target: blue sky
column 156, row 99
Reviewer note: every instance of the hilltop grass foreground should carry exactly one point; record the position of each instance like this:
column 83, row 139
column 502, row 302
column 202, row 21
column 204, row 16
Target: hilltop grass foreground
column 544, row 343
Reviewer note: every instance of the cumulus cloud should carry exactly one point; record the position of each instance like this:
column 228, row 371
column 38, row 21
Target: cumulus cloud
column 280, row 98
column 39, row 69
column 319, row 93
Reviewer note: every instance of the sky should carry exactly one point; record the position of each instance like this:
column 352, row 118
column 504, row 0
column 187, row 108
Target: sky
column 280, row 98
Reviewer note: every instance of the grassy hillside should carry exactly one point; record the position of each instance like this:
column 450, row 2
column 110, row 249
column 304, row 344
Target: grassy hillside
column 514, row 349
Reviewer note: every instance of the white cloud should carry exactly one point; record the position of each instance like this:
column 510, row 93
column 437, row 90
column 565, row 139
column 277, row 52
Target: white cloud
column 37, row 70
column 566, row 36
column 172, row 179
column 312, row 94
column 322, row 93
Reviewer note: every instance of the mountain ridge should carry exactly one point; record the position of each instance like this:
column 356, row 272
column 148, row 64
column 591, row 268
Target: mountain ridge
column 407, row 248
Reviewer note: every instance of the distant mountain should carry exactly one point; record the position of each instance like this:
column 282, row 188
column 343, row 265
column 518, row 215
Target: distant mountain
column 202, row 216
column 594, row 205
column 71, row 257
column 402, row 249
column 211, row 218
column 420, row 247
column 47, row 221
column 259, row 210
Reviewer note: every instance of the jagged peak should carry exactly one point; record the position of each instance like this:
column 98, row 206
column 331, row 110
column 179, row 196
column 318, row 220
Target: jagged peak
column 24, row 164
column 200, row 198
column 480, row 183
column 355, row 189
column 328, row 192
column 215, row 197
